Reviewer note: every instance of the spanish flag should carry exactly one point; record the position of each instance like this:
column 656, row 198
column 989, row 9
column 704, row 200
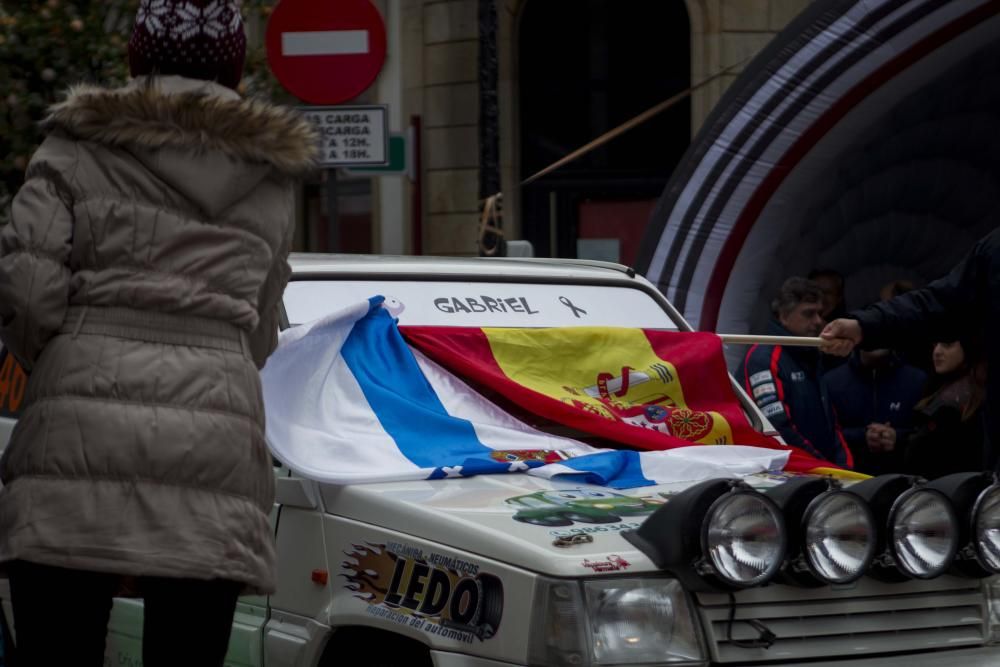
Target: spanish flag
column 648, row 389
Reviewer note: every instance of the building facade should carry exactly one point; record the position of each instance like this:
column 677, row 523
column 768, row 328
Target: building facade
column 567, row 71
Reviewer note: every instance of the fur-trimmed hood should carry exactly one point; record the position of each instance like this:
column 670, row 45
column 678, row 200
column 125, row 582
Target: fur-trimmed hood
column 153, row 113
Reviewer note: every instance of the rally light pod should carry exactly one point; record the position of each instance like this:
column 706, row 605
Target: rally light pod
column 719, row 535
column 918, row 528
column 976, row 498
column 832, row 533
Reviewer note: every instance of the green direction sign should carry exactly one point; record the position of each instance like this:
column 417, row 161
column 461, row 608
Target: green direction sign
column 397, row 159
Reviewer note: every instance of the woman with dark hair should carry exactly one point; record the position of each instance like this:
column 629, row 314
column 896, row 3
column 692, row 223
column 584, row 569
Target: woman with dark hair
column 949, row 434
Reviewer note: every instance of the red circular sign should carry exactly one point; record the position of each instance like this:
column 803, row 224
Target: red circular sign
column 325, row 52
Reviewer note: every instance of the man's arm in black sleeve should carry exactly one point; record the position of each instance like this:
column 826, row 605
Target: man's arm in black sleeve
column 932, row 308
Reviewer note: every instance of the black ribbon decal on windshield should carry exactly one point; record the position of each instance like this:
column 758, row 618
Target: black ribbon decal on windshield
column 569, row 304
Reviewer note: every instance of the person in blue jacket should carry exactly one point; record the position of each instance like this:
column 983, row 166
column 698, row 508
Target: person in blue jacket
column 873, row 396
column 786, row 381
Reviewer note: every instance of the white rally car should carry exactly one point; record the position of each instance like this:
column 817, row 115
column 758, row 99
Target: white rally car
column 502, row 570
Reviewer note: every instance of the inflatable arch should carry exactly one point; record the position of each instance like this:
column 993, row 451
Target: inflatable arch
column 864, row 138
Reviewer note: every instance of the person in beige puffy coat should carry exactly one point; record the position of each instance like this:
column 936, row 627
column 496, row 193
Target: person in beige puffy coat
column 140, row 282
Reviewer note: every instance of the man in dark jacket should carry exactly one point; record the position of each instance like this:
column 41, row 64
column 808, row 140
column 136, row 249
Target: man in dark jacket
column 832, row 284
column 785, row 381
column 873, row 395
column 970, row 294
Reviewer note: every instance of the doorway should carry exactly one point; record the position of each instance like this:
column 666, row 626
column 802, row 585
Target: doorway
column 585, row 67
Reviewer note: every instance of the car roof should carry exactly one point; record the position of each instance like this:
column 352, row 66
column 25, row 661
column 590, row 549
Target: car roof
column 305, row 263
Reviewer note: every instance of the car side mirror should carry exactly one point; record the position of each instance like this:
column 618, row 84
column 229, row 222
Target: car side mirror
column 296, row 492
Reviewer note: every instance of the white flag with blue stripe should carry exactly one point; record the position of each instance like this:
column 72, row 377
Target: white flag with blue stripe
column 348, row 401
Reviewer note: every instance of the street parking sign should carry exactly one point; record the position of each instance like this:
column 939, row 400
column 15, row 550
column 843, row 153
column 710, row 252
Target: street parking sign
column 325, row 52
column 351, row 135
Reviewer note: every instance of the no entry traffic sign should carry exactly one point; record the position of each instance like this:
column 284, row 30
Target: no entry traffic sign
column 325, row 52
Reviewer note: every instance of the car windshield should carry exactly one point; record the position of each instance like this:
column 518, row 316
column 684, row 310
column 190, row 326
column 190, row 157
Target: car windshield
column 483, row 304
column 489, row 304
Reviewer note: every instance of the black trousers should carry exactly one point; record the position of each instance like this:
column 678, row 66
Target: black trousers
column 61, row 617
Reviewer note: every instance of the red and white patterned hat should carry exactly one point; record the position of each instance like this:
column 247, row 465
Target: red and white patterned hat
column 198, row 39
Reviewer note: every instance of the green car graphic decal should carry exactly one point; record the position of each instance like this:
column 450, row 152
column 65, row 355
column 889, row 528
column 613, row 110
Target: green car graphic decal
column 566, row 506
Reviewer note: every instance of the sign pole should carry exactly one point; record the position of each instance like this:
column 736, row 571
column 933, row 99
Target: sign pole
column 332, row 212
column 325, row 54
column 417, row 187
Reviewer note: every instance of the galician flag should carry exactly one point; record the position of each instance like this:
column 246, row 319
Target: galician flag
column 349, row 400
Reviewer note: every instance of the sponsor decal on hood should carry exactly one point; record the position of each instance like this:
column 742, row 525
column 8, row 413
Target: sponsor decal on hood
column 436, row 593
column 613, row 563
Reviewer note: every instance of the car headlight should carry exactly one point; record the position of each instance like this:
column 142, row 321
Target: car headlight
column 924, row 533
column 831, row 532
column 976, row 499
column 918, row 528
column 986, row 528
column 716, row 535
column 743, row 538
column 613, row 622
column 840, row 537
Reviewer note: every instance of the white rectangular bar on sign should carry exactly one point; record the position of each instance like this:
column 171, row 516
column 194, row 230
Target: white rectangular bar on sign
column 324, row 43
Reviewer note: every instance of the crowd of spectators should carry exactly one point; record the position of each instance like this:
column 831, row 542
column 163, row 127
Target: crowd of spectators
column 913, row 402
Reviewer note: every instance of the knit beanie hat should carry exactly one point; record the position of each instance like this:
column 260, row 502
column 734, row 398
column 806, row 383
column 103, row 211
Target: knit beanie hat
column 197, row 39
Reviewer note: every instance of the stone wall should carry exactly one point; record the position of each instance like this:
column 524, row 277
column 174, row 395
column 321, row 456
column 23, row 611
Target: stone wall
column 451, row 126
column 725, row 32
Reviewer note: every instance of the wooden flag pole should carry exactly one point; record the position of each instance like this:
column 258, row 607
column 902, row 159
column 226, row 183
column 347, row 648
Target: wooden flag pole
column 796, row 341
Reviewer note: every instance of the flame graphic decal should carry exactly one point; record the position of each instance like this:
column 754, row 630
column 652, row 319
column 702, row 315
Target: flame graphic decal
column 369, row 567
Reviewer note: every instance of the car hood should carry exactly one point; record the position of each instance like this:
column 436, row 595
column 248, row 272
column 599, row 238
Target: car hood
column 574, row 529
